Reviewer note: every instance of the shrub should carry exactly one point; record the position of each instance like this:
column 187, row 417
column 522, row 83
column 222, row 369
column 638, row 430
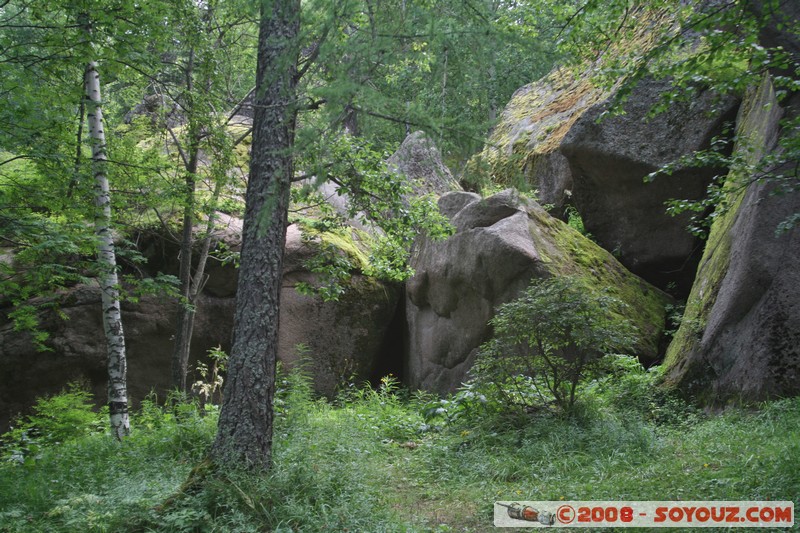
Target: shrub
column 56, row 419
column 549, row 340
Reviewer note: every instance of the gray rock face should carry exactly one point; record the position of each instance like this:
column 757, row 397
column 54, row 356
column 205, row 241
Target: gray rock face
column 458, row 284
column 79, row 353
column 344, row 338
column 421, row 162
column 523, row 147
column 609, row 161
column 552, row 176
column 500, row 244
column 751, row 342
column 740, row 336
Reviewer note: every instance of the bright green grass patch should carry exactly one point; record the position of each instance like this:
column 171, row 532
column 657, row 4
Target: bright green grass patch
column 371, row 462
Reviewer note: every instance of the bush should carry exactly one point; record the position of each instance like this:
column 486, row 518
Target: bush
column 57, row 419
column 550, row 340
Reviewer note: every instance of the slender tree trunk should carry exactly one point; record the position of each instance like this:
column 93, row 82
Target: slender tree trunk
column 205, row 248
column 112, row 319
column 191, row 287
column 183, row 335
column 185, row 322
column 491, row 91
column 244, row 436
column 444, row 97
column 491, row 88
column 73, row 182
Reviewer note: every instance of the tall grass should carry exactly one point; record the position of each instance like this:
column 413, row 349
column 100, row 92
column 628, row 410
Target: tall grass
column 371, row 461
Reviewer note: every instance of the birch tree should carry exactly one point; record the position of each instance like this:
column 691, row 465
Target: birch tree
column 106, row 258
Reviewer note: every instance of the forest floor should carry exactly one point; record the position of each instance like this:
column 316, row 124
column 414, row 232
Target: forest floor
column 373, row 462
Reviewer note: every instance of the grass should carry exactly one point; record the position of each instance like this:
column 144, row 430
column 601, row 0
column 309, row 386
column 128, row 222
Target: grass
column 373, row 462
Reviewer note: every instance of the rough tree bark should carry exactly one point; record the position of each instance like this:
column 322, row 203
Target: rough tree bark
column 106, row 257
column 244, row 436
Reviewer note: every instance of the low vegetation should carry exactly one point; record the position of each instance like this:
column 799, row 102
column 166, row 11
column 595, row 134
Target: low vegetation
column 384, row 459
column 549, row 340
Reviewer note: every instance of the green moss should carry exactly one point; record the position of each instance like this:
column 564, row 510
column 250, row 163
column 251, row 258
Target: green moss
column 754, row 121
column 567, row 252
column 535, row 122
column 352, row 242
column 539, row 115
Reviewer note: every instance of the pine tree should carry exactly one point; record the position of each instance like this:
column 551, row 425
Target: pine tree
column 244, row 436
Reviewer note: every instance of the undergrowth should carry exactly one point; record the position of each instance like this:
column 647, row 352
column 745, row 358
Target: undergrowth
column 384, row 459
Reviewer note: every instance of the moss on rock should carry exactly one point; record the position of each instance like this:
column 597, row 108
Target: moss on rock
column 568, row 253
column 500, row 244
column 353, row 243
column 540, row 114
column 684, row 365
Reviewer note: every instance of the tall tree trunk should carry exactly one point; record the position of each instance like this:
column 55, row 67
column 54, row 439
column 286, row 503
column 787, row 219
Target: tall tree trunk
column 185, row 322
column 106, row 257
column 190, row 285
column 491, row 90
column 185, row 319
column 73, row 182
column 244, row 436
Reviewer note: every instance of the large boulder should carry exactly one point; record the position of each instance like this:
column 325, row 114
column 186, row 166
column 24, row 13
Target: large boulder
column 740, row 335
column 499, row 245
column 609, row 160
column 344, row 338
column 550, row 138
column 420, row 162
column 523, row 148
column 78, row 350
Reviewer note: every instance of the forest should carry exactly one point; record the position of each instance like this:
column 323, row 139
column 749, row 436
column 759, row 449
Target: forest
column 377, row 265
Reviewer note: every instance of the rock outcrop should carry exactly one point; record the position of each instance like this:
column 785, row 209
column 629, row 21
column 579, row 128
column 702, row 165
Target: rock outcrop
column 500, row 244
column 344, row 338
column 549, row 138
column 78, row 350
column 523, row 148
column 420, row 161
column 609, row 160
column 740, row 335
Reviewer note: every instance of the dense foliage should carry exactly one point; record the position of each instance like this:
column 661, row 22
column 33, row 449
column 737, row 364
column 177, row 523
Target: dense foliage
column 176, row 75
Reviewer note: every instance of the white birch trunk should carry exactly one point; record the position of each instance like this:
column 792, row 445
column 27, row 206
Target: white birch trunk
column 112, row 320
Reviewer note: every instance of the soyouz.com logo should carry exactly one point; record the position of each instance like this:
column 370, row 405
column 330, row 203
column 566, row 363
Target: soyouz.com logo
column 644, row 514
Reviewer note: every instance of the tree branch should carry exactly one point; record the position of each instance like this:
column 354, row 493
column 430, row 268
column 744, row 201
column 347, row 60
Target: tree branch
column 15, row 158
column 178, row 145
column 239, row 106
